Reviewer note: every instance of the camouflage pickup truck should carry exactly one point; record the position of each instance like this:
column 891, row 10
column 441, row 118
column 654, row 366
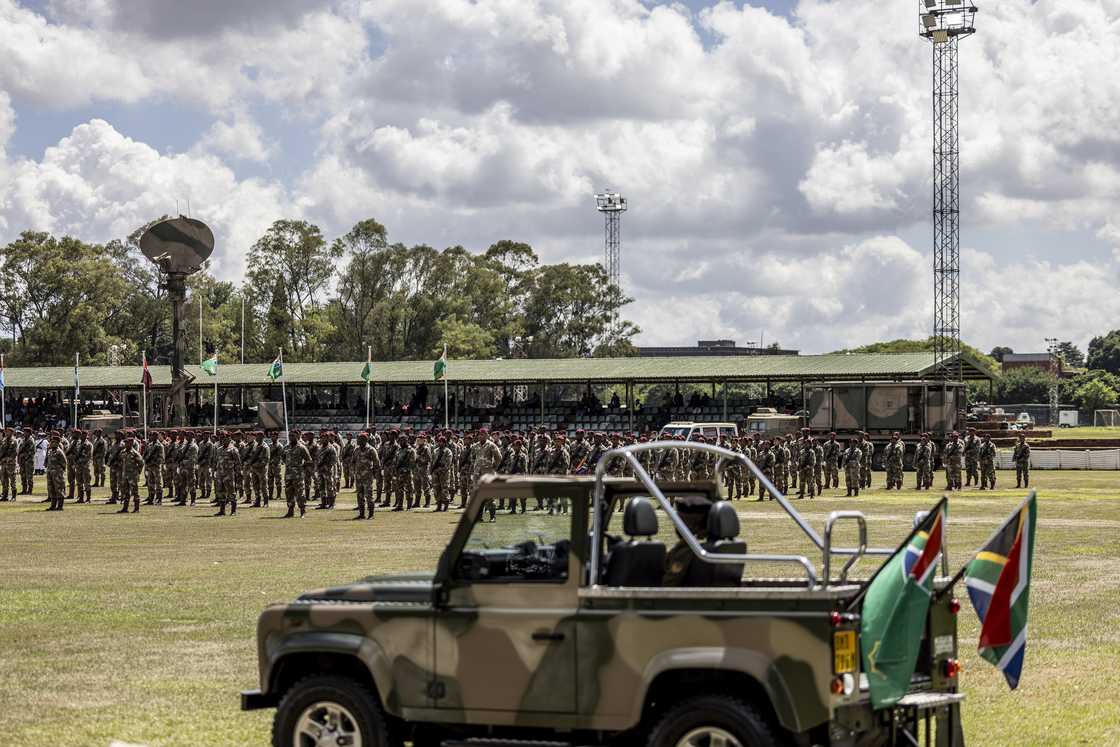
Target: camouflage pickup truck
column 602, row 620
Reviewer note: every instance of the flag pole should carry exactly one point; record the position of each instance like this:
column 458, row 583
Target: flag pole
column 957, row 577
column 284, row 396
column 144, row 393
column 215, row 393
column 445, row 386
column 369, row 360
column 77, row 390
column 3, row 396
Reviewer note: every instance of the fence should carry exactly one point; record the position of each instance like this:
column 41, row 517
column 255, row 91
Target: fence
column 1064, row 459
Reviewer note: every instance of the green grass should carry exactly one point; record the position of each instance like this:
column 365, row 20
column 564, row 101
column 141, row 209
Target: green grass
column 141, row 628
column 1083, row 432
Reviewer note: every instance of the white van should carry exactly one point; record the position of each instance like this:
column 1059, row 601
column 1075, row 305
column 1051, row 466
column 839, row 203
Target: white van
column 711, row 432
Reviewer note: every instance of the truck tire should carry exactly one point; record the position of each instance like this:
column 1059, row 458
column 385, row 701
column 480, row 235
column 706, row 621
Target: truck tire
column 318, row 707
column 712, row 721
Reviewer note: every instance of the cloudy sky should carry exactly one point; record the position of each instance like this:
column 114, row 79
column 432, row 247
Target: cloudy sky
column 776, row 156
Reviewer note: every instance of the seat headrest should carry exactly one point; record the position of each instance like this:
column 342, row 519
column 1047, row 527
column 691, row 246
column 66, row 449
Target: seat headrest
column 723, row 522
column 639, row 519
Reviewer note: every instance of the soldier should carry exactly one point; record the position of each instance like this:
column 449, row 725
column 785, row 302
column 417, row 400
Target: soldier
column 668, row 463
column 485, row 459
column 262, row 458
column 247, row 449
column 25, row 461
column 986, row 456
column 923, row 463
column 422, row 471
column 781, row 465
column 766, row 463
column 893, row 456
column 443, row 465
column 867, row 449
column 204, row 477
column 326, row 460
column 580, row 451
column 56, row 473
column 852, row 459
column 83, row 456
column 932, row 460
column 832, row 451
column 364, row 465
column 153, row 469
column 698, row 467
column 1022, row 458
column 465, row 462
column 275, row 461
column 402, row 473
column 806, row 467
column 227, row 467
column 132, row 464
column 518, row 464
column 693, row 511
column 114, row 461
column 296, row 459
column 818, row 469
column 69, row 445
column 954, row 450
column 793, row 464
column 309, row 481
column 346, row 459
column 172, row 451
column 100, row 449
column 185, row 471
column 971, row 460
column 387, row 452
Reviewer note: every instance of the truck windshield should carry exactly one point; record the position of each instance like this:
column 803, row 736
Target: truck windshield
column 518, row 547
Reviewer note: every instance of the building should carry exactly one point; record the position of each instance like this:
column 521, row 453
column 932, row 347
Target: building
column 710, row 347
column 1046, row 362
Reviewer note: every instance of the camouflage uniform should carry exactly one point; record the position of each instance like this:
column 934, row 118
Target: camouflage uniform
column 227, row 467
column 443, row 464
column 100, row 451
column 832, row 451
column 421, row 472
column 262, row 458
column 132, row 464
column 765, row 462
column 172, row 450
column 273, row 485
column 893, row 456
column 25, row 458
column 326, row 461
column 184, row 475
column 986, row 456
column 518, row 464
column 56, row 475
column 204, row 472
column 793, row 464
column 248, row 453
column 346, row 461
column 1022, row 458
column 560, row 461
column 867, row 449
column 485, row 458
column 387, row 453
column 296, row 459
column 464, row 470
column 668, row 463
column 954, row 449
column 852, row 459
column 806, row 467
column 153, row 469
column 923, row 464
column 971, row 458
column 364, row 465
column 781, row 463
column 309, row 481
column 114, row 461
column 83, row 455
column 402, row 474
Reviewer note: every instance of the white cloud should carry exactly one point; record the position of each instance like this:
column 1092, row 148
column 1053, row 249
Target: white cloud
column 241, row 138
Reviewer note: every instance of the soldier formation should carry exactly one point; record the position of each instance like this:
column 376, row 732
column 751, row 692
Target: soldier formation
column 402, row 471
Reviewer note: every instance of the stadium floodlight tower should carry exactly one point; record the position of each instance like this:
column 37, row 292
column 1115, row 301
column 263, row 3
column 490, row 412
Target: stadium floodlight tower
column 944, row 23
column 612, row 205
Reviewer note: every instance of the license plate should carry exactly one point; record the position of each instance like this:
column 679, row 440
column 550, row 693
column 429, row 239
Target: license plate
column 844, row 651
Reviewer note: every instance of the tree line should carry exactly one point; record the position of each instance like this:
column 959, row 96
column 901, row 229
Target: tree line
column 318, row 299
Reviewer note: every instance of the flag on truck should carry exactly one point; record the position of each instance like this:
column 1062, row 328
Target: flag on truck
column 894, row 610
column 998, row 580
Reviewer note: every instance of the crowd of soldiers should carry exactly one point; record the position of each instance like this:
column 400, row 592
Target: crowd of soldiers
column 402, row 470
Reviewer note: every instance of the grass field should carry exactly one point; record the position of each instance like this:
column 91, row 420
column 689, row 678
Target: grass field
column 1083, row 433
column 141, row 627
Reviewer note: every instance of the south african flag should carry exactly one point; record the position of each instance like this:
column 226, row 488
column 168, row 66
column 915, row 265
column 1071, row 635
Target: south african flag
column 999, row 582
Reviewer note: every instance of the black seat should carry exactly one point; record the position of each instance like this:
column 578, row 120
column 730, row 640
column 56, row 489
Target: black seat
column 723, row 528
column 637, row 562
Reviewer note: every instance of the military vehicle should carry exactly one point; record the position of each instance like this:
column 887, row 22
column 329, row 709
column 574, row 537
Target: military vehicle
column 880, row 408
column 768, row 423
column 559, row 630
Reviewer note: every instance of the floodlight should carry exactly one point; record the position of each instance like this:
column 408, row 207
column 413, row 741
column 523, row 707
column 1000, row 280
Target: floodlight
column 940, row 36
column 931, row 3
column 929, row 20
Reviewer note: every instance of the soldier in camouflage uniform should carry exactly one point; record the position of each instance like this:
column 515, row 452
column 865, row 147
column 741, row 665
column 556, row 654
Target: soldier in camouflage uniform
column 580, row 451
column 83, row 456
column 923, row 463
column 326, row 461
column 781, row 465
column 422, row 471
column 765, row 461
column 56, row 474
column 185, row 470
column 402, row 473
column 364, row 465
column 971, row 458
column 262, row 457
column 273, row 485
column 132, row 464
column 387, row 452
column 247, row 450
column 69, row 445
column 852, row 459
column 517, row 464
column 153, row 469
column 1022, row 458
column 893, row 458
column 227, row 469
column 806, row 467
column 309, row 482
column 485, row 459
column 172, row 451
column 346, row 460
column 986, row 456
column 113, row 460
column 296, row 459
column 466, row 455
column 954, row 451
column 100, row 450
column 868, row 450
column 933, row 452
column 25, row 461
column 793, row 463
column 443, row 465
column 203, row 473
column 832, row 451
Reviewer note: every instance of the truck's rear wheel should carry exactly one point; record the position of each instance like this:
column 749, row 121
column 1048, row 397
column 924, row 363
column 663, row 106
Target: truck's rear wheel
column 712, row 721
column 329, row 711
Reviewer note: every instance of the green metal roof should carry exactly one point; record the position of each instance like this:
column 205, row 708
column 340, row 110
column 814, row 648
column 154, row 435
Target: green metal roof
column 757, row 368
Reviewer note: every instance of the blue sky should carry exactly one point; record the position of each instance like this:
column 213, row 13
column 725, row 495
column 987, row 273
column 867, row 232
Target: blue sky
column 776, row 155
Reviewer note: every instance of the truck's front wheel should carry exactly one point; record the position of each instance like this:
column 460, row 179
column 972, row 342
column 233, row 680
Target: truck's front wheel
column 712, row 721
column 328, row 710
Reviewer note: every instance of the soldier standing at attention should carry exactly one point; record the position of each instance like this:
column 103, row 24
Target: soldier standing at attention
column 132, row 464
column 421, row 472
column 818, row 469
column 388, row 455
column 485, row 459
column 56, row 473
column 832, row 451
column 806, row 466
column 346, row 459
column 172, row 450
column 404, row 458
column 275, row 461
column 25, row 462
column 867, row 449
column 309, row 482
column 923, row 463
column 466, row 457
column 971, row 458
column 69, row 445
column 113, row 461
column 153, row 469
column 226, row 472
column 794, row 461
column 954, row 450
column 852, row 459
column 100, row 449
column 893, row 456
column 83, row 456
column 364, row 464
column 1022, row 457
column 247, row 449
column 932, row 460
column 326, row 460
column 517, row 464
column 188, row 462
column 443, row 463
column 986, row 455
column 296, row 459
column 262, row 457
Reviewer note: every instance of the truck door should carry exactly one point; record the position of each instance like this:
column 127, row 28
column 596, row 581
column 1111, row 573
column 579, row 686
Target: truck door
column 506, row 638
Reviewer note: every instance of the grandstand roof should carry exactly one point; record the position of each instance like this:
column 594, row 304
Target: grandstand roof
column 831, row 367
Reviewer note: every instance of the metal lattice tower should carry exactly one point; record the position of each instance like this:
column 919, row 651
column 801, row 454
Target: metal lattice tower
column 945, row 23
column 612, row 205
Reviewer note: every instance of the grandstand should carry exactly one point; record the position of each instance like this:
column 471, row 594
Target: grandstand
column 520, row 394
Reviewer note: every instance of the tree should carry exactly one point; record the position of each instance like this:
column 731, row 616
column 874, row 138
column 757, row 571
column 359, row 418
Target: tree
column 569, row 310
column 1096, row 395
column 1071, row 354
column 1023, row 385
column 1104, row 352
column 920, row 346
column 999, row 351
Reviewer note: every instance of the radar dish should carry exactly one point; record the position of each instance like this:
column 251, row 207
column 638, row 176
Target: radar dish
column 178, row 245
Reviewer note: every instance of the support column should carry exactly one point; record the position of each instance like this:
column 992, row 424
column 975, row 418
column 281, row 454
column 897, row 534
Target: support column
column 630, row 403
column 725, row 401
column 542, row 404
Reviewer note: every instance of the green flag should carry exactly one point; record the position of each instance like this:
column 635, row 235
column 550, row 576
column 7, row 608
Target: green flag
column 210, row 365
column 367, row 371
column 440, row 369
column 276, row 370
column 894, row 610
